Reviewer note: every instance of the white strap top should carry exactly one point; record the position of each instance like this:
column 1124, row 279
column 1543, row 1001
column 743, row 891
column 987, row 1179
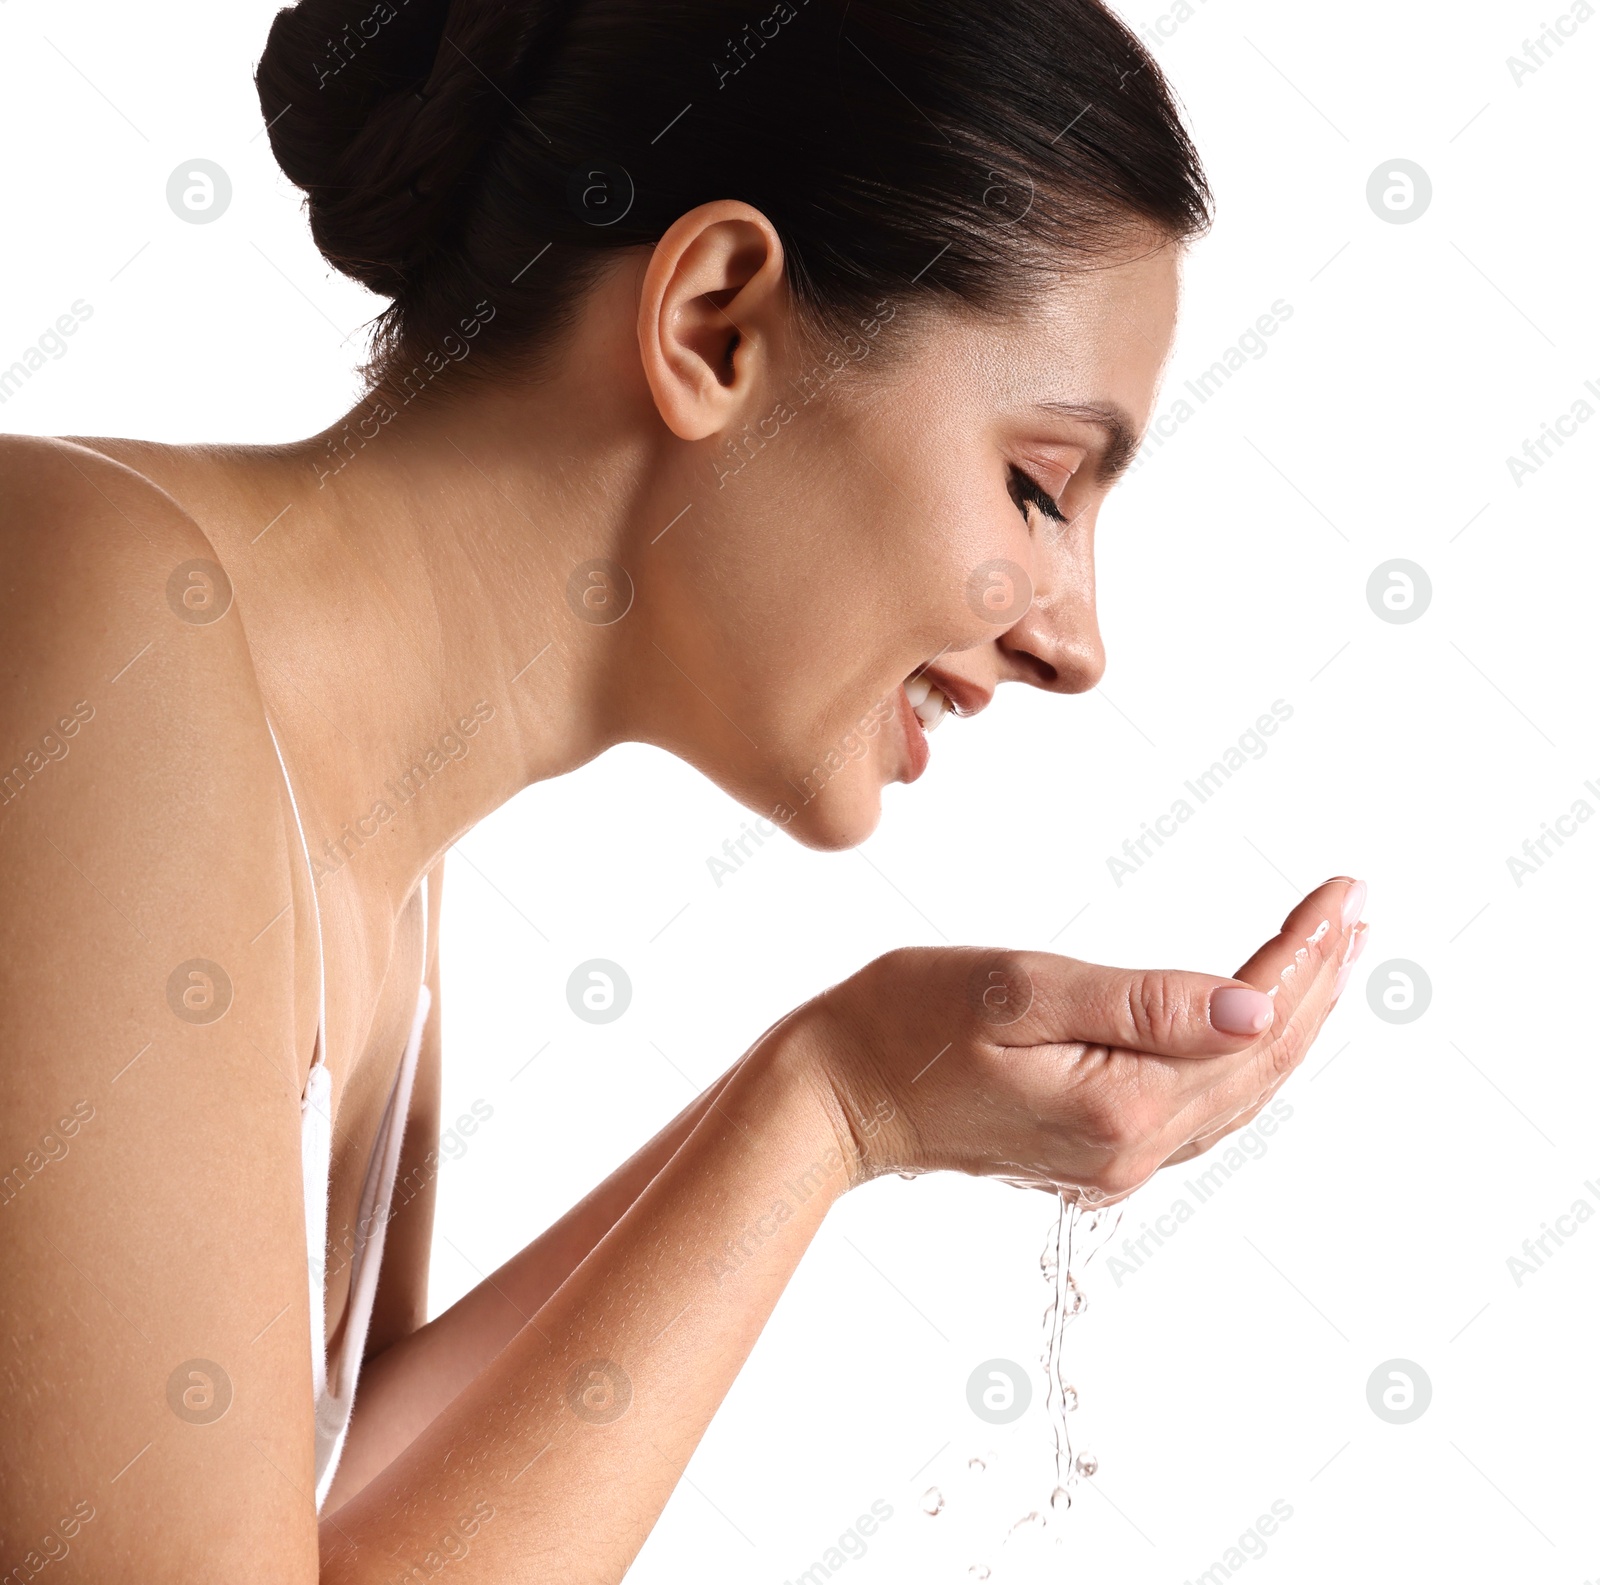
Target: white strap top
column 334, row 1384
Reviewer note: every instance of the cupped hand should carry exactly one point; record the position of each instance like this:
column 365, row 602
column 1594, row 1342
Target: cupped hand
column 1072, row 1076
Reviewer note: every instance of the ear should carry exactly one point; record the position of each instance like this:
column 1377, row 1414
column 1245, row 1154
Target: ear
column 712, row 306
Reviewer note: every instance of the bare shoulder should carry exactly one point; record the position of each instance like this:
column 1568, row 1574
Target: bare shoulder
column 115, row 610
column 45, row 473
column 151, row 1220
column 67, row 512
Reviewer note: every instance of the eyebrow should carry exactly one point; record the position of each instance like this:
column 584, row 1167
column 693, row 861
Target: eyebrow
column 1122, row 438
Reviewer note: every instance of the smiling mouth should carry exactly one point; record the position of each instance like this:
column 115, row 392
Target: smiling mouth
column 929, row 703
column 925, row 699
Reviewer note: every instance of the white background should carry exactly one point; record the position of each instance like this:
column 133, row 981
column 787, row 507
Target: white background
column 1230, row 1369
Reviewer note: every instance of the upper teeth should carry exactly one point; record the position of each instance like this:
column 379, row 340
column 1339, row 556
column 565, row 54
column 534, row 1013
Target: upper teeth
column 928, row 701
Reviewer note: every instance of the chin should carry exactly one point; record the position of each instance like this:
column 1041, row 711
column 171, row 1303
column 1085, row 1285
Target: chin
column 836, row 821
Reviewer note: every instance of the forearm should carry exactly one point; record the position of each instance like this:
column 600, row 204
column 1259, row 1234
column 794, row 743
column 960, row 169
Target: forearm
column 670, row 1301
column 405, row 1386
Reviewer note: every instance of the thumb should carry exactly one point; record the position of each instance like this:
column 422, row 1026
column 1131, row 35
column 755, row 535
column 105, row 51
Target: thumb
column 1167, row 1012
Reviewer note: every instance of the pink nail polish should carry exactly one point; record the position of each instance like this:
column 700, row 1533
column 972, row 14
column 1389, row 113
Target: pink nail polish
column 1239, row 1010
column 1354, row 901
column 1339, row 981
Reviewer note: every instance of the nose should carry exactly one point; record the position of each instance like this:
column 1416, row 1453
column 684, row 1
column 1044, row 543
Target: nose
column 1057, row 644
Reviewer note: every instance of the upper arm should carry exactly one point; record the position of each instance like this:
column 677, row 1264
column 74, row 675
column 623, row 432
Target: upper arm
column 155, row 1304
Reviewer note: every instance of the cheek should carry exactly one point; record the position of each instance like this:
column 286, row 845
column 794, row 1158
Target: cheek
column 927, row 585
column 957, row 558
column 976, row 572
column 857, row 548
column 996, row 595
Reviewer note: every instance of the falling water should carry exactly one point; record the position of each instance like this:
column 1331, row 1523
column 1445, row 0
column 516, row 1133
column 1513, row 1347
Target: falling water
column 1075, row 1237
column 1072, row 1242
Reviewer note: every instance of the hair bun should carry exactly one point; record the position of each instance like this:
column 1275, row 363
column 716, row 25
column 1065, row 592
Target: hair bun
column 381, row 111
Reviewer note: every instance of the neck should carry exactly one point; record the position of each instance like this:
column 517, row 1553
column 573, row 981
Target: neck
column 407, row 601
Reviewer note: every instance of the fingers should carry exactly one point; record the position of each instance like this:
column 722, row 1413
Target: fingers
column 1158, row 1101
column 1331, row 909
column 1358, row 945
column 1298, row 970
column 1220, row 1127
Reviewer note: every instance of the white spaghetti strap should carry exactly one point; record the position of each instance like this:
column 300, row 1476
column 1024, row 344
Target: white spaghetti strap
column 334, row 1399
column 316, row 1129
column 317, row 1057
column 316, row 1157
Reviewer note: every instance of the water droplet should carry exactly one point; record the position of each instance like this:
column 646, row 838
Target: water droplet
column 979, row 1571
column 932, row 1501
column 977, row 1465
column 908, row 1174
column 1061, row 1499
column 1088, row 1464
column 1069, row 1399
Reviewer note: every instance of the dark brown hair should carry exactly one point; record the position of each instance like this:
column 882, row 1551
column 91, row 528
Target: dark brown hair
column 462, row 152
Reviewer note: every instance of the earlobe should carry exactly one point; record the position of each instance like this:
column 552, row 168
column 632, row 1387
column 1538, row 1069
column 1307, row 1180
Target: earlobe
column 711, row 302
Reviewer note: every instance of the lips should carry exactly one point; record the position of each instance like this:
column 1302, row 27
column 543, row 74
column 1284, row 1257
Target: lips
column 965, row 698
column 925, row 698
column 916, row 740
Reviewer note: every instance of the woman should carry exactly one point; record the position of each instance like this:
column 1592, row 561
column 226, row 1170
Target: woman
column 750, row 386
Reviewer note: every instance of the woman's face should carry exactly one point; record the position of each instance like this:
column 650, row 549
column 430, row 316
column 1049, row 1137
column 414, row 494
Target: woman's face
column 883, row 542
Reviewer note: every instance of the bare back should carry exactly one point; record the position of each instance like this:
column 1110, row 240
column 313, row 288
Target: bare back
column 160, row 1012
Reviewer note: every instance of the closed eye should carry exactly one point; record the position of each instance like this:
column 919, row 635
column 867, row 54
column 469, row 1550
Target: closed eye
column 1026, row 491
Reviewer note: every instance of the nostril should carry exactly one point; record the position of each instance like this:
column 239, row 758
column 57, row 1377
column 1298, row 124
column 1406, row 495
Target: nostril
column 1062, row 661
column 1040, row 672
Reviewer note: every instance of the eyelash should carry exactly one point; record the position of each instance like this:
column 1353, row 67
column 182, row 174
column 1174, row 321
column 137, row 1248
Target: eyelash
column 1025, row 489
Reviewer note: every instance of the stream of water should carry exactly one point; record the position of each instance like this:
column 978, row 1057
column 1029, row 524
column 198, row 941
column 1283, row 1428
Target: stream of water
column 1074, row 1238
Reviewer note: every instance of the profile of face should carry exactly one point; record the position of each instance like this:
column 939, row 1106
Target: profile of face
column 846, row 426
column 874, row 544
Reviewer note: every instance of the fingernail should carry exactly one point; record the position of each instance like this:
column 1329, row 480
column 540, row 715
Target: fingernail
column 1239, row 1010
column 1354, row 901
column 1339, row 980
column 1357, row 945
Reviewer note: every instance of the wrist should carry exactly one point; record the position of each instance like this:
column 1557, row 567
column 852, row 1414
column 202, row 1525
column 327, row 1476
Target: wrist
column 803, row 1053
